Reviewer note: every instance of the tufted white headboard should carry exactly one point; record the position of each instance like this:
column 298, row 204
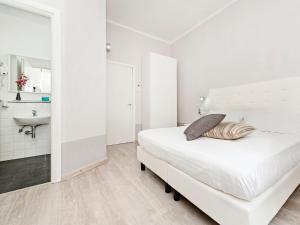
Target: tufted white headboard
column 279, row 95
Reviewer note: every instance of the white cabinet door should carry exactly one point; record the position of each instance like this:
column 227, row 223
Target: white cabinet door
column 159, row 91
column 120, row 108
column 163, row 91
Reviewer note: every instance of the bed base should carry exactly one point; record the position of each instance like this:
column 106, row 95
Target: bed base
column 177, row 196
column 168, row 188
column 224, row 208
column 143, row 167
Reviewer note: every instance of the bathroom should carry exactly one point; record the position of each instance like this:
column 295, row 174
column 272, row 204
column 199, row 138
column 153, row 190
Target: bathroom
column 25, row 99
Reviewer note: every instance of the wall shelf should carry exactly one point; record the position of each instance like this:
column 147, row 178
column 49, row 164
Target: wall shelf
column 29, row 101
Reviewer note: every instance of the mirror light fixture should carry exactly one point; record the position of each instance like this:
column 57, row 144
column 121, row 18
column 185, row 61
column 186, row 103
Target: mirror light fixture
column 108, row 47
column 3, row 73
column 3, row 69
column 202, row 100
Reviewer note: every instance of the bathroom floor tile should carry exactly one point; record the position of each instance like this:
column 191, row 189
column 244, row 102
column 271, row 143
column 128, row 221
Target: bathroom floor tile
column 20, row 173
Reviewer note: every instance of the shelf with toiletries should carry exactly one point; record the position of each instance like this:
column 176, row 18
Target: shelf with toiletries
column 29, row 101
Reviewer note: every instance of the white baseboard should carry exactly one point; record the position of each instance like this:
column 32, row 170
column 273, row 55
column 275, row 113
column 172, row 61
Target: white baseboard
column 84, row 169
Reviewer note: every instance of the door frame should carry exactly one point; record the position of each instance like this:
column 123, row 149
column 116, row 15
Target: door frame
column 56, row 66
column 133, row 96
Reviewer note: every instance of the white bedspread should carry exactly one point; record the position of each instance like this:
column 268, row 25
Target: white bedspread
column 243, row 168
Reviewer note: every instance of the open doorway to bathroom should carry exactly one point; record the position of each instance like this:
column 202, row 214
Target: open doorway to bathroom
column 25, row 98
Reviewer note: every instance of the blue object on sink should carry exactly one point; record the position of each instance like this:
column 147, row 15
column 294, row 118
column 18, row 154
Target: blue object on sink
column 45, row 99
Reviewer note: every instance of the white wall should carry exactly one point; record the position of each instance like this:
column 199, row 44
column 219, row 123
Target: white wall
column 84, row 84
column 85, row 62
column 251, row 41
column 24, row 33
column 129, row 47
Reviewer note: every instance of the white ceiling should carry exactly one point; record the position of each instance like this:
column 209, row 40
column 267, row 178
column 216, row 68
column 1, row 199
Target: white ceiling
column 164, row 19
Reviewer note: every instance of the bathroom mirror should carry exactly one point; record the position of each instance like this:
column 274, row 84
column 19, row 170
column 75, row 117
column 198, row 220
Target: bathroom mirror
column 37, row 71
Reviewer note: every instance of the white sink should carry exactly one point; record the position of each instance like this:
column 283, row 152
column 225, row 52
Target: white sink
column 32, row 120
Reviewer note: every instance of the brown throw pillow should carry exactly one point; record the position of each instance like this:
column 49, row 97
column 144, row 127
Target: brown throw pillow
column 229, row 131
column 202, row 125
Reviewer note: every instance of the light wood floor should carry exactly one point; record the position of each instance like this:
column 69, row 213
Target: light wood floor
column 117, row 193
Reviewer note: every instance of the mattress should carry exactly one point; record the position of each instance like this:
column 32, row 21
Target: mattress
column 244, row 168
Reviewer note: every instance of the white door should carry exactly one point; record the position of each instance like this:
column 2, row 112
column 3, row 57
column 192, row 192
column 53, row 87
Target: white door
column 120, row 104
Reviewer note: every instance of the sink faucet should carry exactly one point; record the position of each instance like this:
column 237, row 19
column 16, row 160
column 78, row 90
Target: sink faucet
column 34, row 113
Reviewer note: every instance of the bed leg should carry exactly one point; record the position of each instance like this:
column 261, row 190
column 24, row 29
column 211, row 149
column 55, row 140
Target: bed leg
column 143, row 167
column 176, row 196
column 168, row 188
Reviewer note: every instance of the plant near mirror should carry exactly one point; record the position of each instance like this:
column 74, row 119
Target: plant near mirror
column 21, row 82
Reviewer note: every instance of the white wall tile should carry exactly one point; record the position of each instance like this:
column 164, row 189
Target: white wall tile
column 14, row 145
column 6, row 156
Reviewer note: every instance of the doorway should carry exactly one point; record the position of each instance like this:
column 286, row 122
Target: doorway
column 54, row 15
column 25, row 114
column 120, row 103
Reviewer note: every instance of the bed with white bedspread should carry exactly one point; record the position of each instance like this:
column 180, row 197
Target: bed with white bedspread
column 243, row 168
column 244, row 181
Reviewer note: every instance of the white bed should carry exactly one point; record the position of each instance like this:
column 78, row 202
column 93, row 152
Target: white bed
column 243, row 168
column 242, row 182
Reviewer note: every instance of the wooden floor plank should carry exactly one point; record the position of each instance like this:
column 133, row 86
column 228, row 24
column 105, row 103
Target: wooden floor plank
column 116, row 193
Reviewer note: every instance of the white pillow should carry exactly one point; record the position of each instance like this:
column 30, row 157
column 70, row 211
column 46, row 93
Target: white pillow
column 267, row 121
column 271, row 121
column 231, row 116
